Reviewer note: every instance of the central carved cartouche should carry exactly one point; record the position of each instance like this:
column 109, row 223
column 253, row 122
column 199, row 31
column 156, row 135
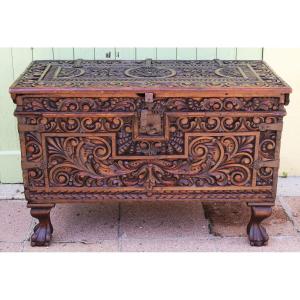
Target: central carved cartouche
column 150, row 72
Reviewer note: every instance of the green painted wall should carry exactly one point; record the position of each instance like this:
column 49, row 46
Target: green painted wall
column 13, row 61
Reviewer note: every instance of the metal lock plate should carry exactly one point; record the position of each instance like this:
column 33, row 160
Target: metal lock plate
column 150, row 121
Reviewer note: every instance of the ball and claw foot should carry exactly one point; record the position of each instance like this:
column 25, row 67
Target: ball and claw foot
column 42, row 232
column 256, row 232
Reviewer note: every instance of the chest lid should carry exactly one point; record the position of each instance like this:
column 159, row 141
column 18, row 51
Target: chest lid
column 148, row 75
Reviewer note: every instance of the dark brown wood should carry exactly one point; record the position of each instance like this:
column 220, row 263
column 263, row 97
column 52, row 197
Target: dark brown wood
column 256, row 232
column 148, row 130
column 86, row 76
column 42, row 232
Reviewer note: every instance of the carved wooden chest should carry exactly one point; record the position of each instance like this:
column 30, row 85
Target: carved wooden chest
column 149, row 130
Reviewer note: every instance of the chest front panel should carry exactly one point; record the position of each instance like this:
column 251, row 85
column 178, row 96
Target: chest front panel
column 150, row 144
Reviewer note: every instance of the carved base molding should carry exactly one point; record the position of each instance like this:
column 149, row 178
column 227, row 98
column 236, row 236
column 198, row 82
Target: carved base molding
column 218, row 196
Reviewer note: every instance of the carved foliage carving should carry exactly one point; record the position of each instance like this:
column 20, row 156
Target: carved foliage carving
column 36, row 177
column 159, row 105
column 34, row 150
column 267, row 146
column 213, row 161
column 109, row 151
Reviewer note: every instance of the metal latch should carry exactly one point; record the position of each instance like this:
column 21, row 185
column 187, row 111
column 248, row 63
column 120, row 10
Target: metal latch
column 77, row 63
column 150, row 121
column 148, row 62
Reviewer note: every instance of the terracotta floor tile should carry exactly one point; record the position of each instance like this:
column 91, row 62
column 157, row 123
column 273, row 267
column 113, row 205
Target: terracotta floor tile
column 168, row 245
column 241, row 244
column 293, row 207
column 15, row 221
column 289, row 186
column 103, row 246
column 227, row 219
column 283, row 243
column 153, row 220
column 278, row 244
column 231, row 219
column 279, row 223
column 234, row 244
column 12, row 192
column 10, row 247
column 86, row 223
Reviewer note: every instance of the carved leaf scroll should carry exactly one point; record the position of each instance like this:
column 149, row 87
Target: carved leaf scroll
column 192, row 150
column 213, row 160
column 160, row 105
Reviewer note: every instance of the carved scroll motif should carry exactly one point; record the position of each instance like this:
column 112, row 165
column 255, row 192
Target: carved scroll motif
column 159, row 105
column 34, row 150
column 213, row 161
column 36, row 177
column 267, row 146
column 186, row 150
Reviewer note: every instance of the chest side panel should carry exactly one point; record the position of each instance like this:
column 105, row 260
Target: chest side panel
column 158, row 146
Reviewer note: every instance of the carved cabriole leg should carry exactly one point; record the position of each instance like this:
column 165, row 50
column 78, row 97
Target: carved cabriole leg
column 256, row 232
column 42, row 232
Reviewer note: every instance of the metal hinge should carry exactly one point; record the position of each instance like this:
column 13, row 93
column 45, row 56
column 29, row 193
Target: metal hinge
column 271, row 126
column 265, row 163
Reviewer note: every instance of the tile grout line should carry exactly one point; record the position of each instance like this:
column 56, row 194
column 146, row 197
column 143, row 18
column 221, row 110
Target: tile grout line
column 289, row 213
column 31, row 226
